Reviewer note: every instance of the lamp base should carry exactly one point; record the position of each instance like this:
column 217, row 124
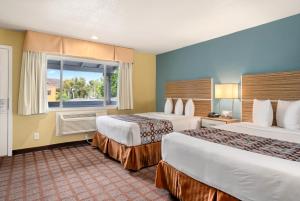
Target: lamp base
column 227, row 114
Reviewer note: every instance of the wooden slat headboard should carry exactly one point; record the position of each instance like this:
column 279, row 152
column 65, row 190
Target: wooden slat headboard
column 199, row 90
column 272, row 86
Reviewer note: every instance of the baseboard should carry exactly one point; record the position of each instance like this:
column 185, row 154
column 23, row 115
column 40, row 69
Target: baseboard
column 51, row 146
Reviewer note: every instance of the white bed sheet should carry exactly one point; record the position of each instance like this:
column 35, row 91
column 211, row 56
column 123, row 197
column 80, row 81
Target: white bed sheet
column 128, row 133
column 246, row 175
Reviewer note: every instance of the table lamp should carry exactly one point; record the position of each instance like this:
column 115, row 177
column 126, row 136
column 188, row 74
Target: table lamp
column 227, row 91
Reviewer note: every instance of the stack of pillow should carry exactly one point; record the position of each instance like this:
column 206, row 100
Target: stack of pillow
column 189, row 109
column 287, row 114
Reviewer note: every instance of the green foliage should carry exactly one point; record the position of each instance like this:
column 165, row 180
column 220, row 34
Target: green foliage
column 79, row 88
column 114, row 84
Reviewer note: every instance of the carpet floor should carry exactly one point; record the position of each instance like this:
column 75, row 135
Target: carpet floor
column 74, row 173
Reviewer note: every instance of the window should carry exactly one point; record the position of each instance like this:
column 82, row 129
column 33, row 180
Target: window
column 81, row 83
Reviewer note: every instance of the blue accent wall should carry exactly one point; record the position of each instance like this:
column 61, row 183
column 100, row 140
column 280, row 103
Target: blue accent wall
column 270, row 47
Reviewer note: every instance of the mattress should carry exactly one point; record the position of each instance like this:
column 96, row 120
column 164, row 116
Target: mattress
column 128, row 133
column 245, row 175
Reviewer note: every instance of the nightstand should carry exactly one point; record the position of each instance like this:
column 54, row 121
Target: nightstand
column 210, row 122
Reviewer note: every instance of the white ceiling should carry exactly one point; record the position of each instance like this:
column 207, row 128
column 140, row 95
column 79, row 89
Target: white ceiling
column 154, row 26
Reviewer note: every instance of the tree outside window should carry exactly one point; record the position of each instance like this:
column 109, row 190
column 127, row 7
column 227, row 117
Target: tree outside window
column 82, row 84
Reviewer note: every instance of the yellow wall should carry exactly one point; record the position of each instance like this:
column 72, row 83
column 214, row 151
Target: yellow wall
column 51, row 93
column 144, row 82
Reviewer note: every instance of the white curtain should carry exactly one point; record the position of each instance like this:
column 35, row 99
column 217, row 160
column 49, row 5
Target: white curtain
column 33, row 88
column 125, row 86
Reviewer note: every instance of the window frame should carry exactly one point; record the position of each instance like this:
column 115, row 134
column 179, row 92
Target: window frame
column 61, row 59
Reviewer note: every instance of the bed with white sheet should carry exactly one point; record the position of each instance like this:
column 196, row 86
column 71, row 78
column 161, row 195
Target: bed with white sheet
column 245, row 175
column 255, row 160
column 135, row 140
column 128, row 133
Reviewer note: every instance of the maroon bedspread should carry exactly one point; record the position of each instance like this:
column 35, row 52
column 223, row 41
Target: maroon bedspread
column 267, row 146
column 151, row 130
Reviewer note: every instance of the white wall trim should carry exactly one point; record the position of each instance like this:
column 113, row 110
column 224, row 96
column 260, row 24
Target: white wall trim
column 10, row 120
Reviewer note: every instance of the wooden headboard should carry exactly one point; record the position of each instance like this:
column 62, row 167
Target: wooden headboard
column 272, row 86
column 199, row 90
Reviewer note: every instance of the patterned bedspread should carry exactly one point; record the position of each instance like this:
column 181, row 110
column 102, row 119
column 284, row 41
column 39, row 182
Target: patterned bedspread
column 151, row 130
column 261, row 145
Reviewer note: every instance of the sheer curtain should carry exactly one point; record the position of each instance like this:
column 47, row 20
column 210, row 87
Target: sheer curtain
column 125, row 86
column 33, row 87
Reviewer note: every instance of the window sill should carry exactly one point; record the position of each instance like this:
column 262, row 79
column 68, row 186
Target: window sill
column 111, row 107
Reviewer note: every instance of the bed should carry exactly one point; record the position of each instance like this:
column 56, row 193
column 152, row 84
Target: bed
column 136, row 145
column 128, row 133
column 225, row 162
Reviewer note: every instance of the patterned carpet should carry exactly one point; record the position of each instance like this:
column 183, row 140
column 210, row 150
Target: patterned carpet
column 74, row 173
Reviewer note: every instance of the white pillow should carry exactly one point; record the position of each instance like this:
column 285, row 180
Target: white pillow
column 288, row 114
column 189, row 109
column 169, row 106
column 179, row 107
column 281, row 111
column 262, row 113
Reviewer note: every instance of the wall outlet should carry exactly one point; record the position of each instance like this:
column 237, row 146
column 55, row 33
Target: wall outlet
column 36, row 135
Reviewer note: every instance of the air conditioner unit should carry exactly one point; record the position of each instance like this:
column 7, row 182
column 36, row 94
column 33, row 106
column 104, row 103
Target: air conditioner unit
column 76, row 122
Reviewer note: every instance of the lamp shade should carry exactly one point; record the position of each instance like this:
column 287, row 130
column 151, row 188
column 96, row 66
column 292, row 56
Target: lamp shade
column 226, row 91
